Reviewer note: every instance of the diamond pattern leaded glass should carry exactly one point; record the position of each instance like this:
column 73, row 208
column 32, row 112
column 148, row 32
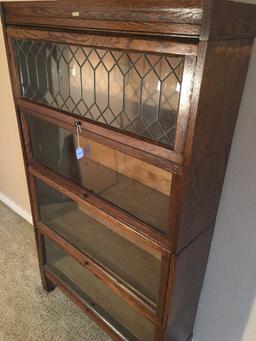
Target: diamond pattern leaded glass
column 134, row 92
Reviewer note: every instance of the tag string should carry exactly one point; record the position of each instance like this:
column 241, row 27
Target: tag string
column 78, row 131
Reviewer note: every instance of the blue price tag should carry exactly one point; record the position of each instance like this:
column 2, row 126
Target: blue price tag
column 79, row 153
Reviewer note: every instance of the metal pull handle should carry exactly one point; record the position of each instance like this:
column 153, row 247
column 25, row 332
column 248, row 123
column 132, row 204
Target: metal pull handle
column 83, row 195
column 78, row 124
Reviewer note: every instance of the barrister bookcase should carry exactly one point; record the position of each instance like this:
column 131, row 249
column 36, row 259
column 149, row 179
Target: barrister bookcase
column 149, row 92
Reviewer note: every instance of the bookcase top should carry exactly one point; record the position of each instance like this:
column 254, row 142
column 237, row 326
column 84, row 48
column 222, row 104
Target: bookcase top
column 199, row 19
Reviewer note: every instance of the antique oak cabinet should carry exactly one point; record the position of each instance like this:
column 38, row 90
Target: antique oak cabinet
column 126, row 112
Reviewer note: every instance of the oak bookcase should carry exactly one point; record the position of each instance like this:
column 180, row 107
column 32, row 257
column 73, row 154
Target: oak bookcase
column 150, row 91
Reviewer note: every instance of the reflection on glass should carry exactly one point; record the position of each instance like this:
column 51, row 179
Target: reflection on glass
column 136, row 268
column 141, row 189
column 134, row 92
column 112, row 307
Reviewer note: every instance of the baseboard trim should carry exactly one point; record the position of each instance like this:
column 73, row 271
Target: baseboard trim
column 16, row 208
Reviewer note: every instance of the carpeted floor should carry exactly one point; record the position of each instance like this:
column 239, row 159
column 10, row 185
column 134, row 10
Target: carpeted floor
column 27, row 312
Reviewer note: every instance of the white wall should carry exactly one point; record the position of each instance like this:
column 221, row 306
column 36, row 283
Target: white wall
column 13, row 186
column 227, row 310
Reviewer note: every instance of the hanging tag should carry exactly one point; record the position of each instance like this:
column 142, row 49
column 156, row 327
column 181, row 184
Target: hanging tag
column 79, row 150
column 79, row 153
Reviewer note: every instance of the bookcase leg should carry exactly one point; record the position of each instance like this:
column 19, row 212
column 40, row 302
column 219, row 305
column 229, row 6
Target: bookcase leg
column 47, row 284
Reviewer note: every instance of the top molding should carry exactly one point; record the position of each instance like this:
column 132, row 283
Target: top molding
column 200, row 19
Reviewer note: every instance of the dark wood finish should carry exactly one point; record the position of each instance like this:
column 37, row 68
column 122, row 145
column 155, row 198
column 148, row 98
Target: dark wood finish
column 169, row 293
column 228, row 19
column 184, row 108
column 47, row 284
column 121, row 27
column 182, row 18
column 216, row 106
column 33, row 194
column 26, row 136
column 220, row 19
column 155, row 11
column 189, row 274
column 216, row 38
column 103, row 41
column 13, row 66
column 167, row 260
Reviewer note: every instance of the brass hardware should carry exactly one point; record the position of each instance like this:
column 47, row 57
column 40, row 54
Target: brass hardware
column 78, row 123
column 83, row 195
column 75, row 14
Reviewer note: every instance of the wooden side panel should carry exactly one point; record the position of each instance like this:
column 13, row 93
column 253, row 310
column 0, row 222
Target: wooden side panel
column 188, row 279
column 228, row 19
column 221, row 73
column 224, row 74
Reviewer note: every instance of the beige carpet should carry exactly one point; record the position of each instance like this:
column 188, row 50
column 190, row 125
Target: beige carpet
column 27, row 312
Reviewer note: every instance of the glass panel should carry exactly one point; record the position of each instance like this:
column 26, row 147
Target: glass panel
column 102, row 299
column 136, row 268
column 134, row 92
column 141, row 189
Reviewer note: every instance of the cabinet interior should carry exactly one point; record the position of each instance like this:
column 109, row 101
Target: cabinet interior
column 140, row 189
column 137, row 269
column 110, row 306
